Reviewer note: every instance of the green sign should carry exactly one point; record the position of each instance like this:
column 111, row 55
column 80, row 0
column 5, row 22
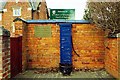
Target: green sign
column 42, row 31
column 62, row 14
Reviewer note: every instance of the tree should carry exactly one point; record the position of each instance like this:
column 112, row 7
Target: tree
column 87, row 15
column 105, row 15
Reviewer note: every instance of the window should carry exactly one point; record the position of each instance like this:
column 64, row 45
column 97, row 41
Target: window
column 17, row 12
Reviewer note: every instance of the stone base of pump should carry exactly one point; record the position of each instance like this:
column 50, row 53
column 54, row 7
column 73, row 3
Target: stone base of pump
column 65, row 69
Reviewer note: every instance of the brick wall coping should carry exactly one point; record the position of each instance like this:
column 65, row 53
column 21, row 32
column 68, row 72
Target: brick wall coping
column 15, row 36
column 58, row 21
column 54, row 21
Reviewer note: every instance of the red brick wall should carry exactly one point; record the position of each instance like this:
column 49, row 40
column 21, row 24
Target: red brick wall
column 111, row 56
column 4, row 56
column 88, row 42
column 18, row 27
column 42, row 52
column 8, row 16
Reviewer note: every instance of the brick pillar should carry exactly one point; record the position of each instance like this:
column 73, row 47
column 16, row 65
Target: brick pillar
column 17, row 28
column 4, row 53
column 24, row 48
column 111, row 56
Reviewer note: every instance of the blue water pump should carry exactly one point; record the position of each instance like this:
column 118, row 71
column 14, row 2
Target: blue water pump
column 65, row 48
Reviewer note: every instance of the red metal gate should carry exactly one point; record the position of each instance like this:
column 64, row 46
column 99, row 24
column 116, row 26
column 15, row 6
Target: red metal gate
column 16, row 55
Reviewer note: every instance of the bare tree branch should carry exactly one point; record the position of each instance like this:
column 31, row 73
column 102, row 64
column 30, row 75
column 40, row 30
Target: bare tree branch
column 105, row 15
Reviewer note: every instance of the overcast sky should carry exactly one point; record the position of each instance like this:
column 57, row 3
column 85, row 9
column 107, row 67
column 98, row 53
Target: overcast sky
column 78, row 5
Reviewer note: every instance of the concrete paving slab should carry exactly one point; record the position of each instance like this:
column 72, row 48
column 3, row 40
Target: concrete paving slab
column 96, row 75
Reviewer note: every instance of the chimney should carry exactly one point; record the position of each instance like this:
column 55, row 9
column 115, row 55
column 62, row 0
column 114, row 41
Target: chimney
column 42, row 10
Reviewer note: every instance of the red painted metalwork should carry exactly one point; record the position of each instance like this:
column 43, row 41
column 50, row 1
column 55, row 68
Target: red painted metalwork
column 16, row 55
